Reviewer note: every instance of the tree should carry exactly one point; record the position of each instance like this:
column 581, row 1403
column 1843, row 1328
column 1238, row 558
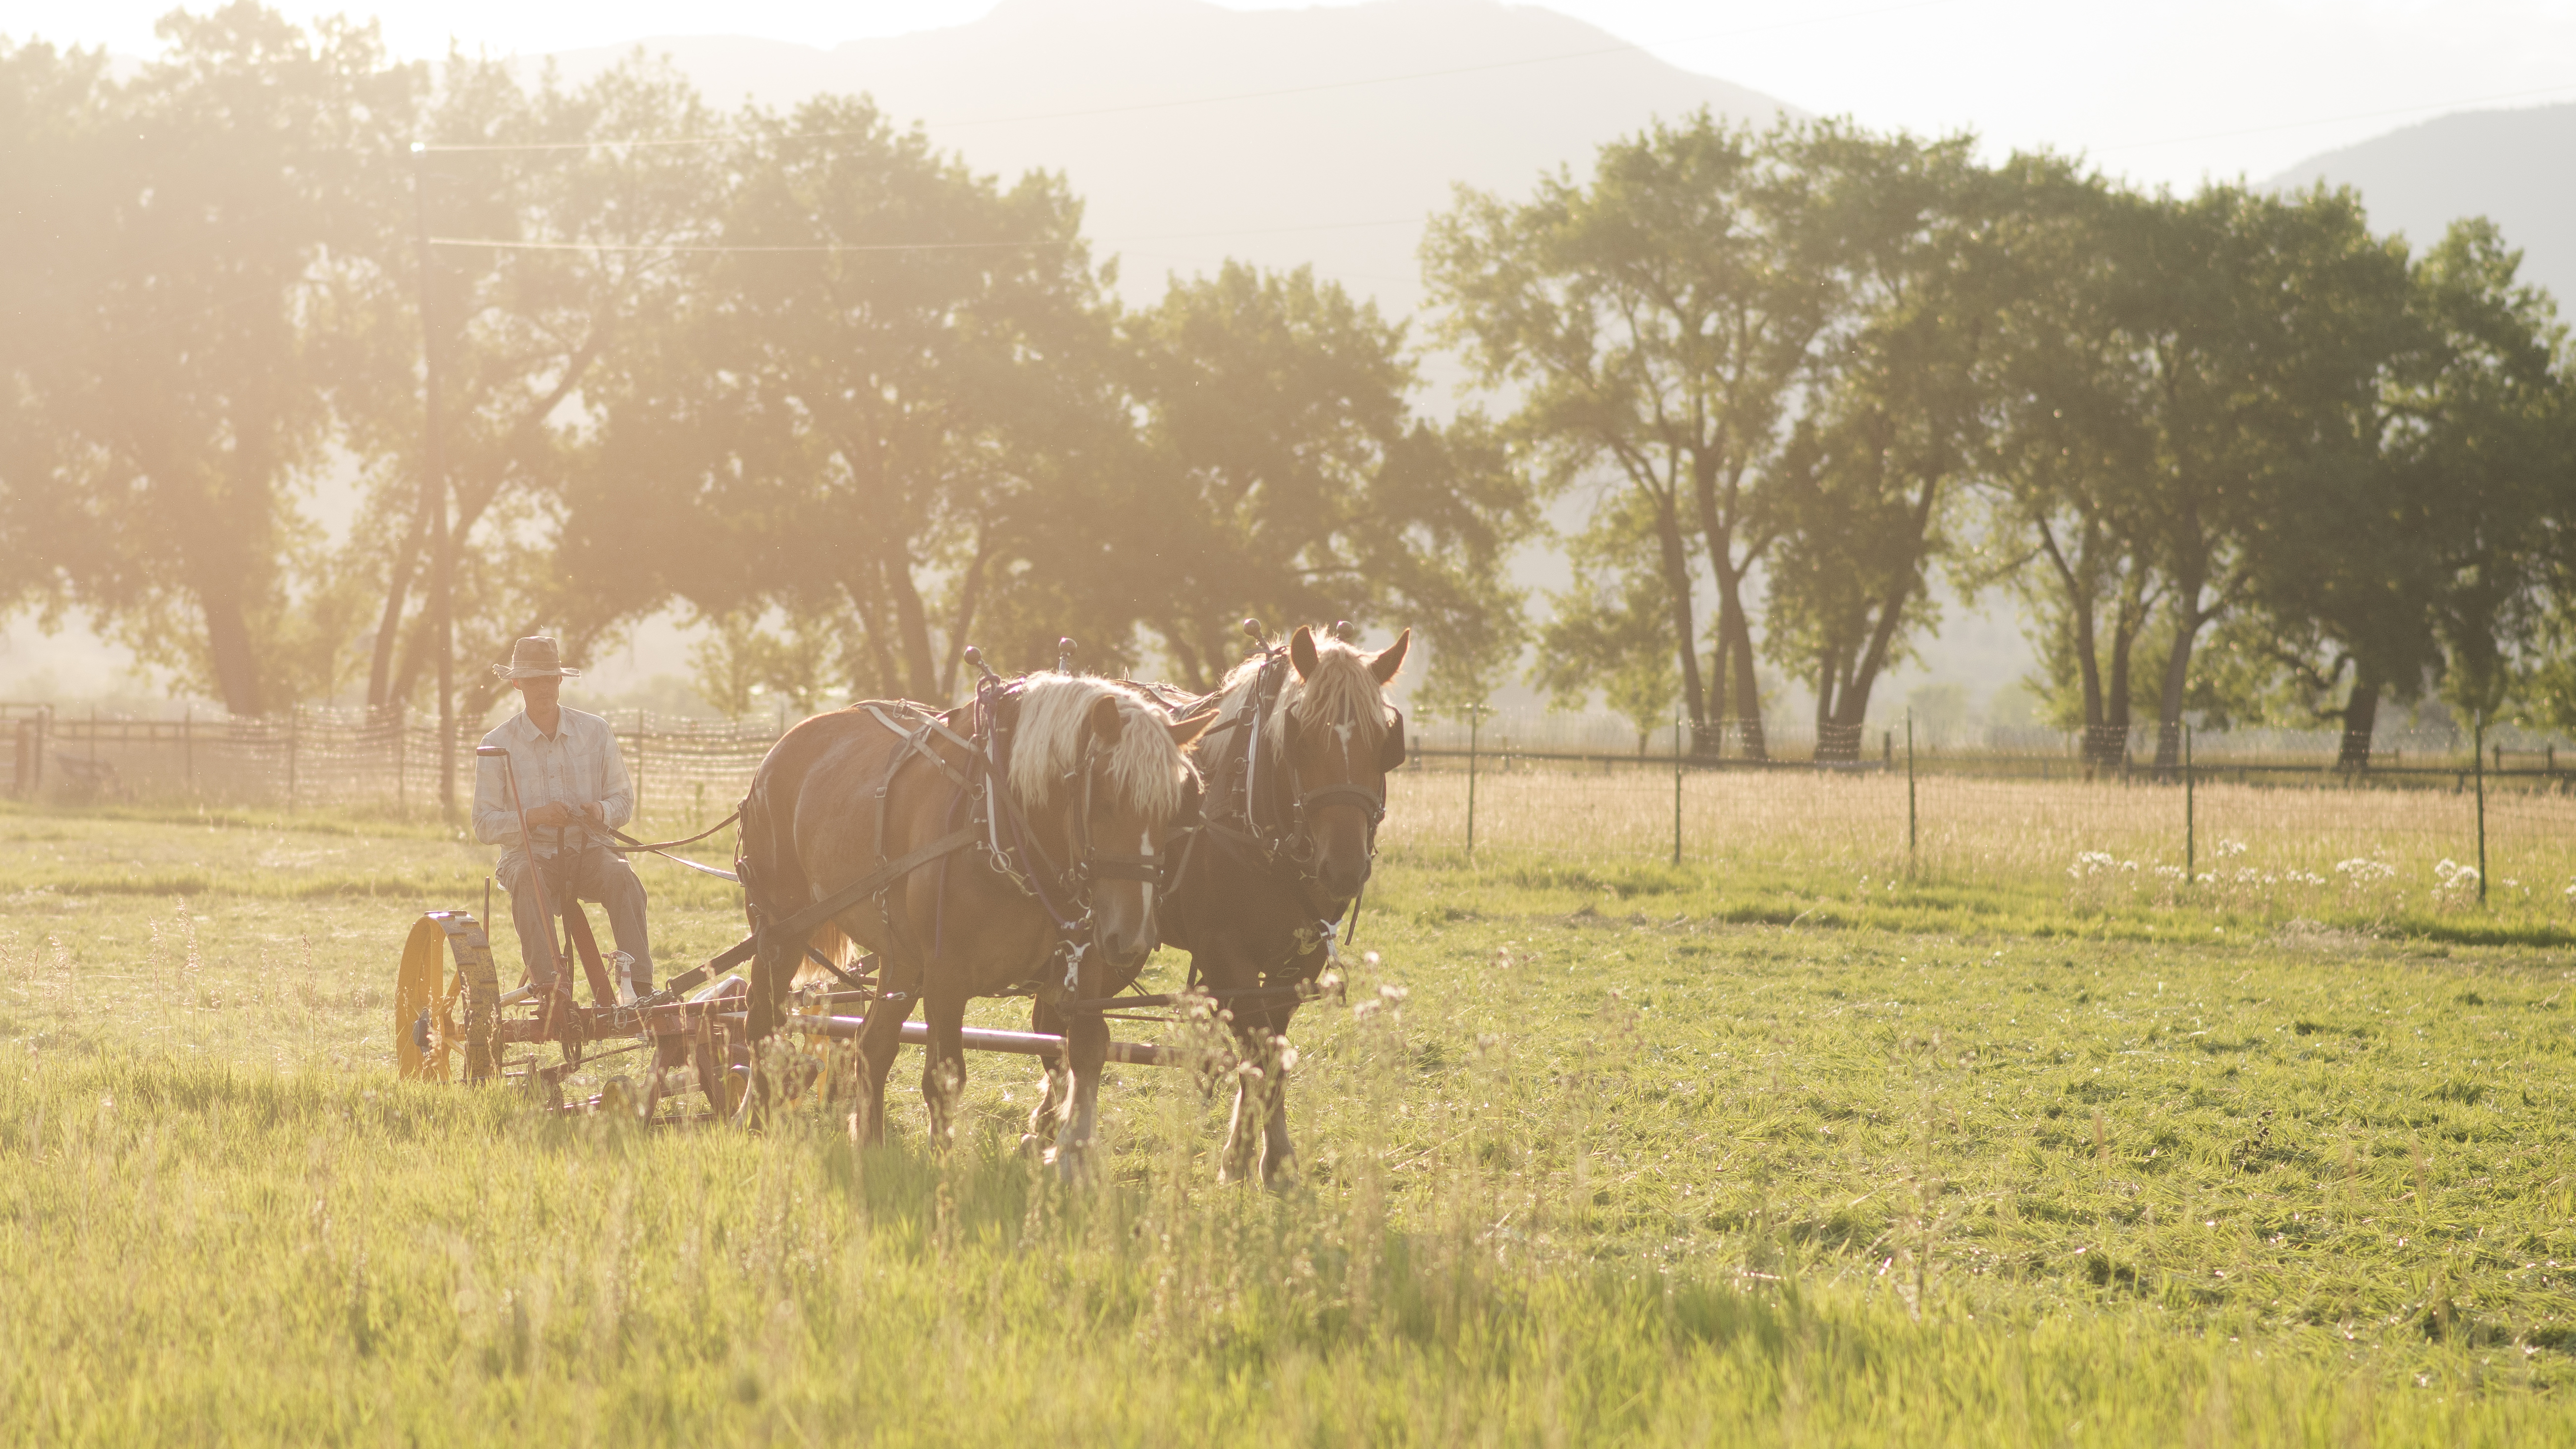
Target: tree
column 1899, row 413
column 1656, row 326
column 2184, row 372
column 2253, row 321
column 2066, row 518
column 2484, row 439
column 1285, row 477
column 852, row 411
column 187, row 402
column 581, row 223
column 1611, row 632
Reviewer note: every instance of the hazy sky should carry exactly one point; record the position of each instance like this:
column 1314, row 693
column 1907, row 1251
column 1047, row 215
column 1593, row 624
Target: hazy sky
column 2161, row 89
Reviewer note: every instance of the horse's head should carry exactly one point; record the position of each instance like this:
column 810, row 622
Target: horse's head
column 1339, row 738
column 1104, row 774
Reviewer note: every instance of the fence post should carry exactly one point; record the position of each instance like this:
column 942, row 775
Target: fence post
column 1677, row 786
column 1475, row 718
column 638, row 803
column 2190, row 835
column 2482, row 806
column 290, row 759
column 188, row 745
column 1909, row 786
column 402, row 759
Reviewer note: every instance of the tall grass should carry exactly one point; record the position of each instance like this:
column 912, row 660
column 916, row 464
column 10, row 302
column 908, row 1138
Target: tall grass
column 1581, row 1165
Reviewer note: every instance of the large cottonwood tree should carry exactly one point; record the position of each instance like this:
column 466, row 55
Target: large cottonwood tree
column 1656, row 323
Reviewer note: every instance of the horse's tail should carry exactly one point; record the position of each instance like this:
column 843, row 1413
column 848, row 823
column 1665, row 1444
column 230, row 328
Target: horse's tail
column 828, row 942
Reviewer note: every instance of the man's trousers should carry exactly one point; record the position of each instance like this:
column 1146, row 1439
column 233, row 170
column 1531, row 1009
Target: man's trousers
column 595, row 874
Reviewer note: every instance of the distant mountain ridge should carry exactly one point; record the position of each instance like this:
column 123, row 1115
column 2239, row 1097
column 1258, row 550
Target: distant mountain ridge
column 2495, row 164
column 1282, row 137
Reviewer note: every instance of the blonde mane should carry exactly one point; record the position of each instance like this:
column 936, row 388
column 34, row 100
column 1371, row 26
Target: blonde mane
column 1145, row 767
column 1343, row 692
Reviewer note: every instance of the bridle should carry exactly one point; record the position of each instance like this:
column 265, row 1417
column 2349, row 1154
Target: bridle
column 1293, row 845
column 1014, row 846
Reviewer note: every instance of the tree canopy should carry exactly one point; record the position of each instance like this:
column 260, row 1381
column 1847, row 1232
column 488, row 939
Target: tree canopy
column 851, row 405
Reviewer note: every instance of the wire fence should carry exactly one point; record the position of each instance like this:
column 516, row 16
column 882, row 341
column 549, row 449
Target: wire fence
column 323, row 757
column 2295, row 822
column 2446, row 816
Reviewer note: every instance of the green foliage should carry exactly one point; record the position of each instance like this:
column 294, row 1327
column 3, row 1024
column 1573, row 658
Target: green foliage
column 1286, row 478
column 1654, row 326
column 174, row 390
column 1878, row 464
column 1612, row 632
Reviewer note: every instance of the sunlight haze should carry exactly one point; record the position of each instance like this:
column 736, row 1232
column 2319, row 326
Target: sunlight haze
column 2163, row 92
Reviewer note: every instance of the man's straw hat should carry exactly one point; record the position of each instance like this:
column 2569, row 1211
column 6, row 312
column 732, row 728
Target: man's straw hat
column 535, row 657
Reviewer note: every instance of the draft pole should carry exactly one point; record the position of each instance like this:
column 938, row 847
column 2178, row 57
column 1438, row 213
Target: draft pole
column 433, row 496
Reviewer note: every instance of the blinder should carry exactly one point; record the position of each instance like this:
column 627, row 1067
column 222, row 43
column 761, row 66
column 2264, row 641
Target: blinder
column 1390, row 750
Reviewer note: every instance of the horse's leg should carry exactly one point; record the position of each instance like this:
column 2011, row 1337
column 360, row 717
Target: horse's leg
column 1057, row 1089
column 1226, row 968
column 943, row 1068
column 1086, row 1043
column 879, row 1040
column 764, row 1006
column 1278, row 1154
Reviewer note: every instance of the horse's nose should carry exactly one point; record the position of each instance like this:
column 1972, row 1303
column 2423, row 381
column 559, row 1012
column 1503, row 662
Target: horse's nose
column 1342, row 876
column 1127, row 947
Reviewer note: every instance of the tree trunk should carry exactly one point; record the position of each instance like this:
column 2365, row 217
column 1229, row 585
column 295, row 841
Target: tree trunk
column 2188, row 619
column 2074, row 577
column 228, row 647
column 1677, row 589
column 1745, row 682
column 970, row 589
column 1734, row 634
column 864, row 598
column 2360, row 718
column 397, row 594
column 1851, row 711
column 912, row 622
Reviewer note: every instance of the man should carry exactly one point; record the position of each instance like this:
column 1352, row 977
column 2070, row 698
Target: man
column 577, row 790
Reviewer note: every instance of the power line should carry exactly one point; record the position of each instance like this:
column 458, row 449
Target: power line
column 2331, row 120
column 1622, row 49
column 828, row 248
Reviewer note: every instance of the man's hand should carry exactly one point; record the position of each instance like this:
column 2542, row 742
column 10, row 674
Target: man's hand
column 553, row 812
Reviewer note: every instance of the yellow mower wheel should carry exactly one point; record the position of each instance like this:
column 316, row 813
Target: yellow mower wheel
column 420, row 1029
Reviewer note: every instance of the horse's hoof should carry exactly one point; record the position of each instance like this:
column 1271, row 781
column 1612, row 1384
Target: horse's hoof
column 1034, row 1146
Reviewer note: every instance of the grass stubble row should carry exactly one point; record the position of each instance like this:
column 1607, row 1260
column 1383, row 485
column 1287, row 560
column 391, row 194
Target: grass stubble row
column 1586, row 1160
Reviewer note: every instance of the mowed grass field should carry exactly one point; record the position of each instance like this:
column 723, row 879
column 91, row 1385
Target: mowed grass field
column 1783, row 1146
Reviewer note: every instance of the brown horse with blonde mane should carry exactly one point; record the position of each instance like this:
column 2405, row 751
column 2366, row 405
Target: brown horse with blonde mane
column 1009, row 844
column 1295, row 769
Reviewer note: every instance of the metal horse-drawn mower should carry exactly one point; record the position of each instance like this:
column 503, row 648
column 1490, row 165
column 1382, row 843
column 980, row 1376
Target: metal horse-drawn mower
column 448, row 1004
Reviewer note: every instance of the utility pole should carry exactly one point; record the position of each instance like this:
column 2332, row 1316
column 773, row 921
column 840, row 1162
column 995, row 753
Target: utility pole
column 433, row 496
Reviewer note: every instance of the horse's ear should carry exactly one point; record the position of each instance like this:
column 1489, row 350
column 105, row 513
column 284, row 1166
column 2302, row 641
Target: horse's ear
column 1301, row 651
column 1186, row 732
column 1383, row 667
column 1107, row 721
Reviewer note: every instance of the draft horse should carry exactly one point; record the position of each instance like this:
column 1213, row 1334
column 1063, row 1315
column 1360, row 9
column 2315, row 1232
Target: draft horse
column 1295, row 767
column 1009, row 844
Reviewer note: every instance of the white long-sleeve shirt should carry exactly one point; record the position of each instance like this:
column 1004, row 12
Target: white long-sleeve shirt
column 578, row 767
